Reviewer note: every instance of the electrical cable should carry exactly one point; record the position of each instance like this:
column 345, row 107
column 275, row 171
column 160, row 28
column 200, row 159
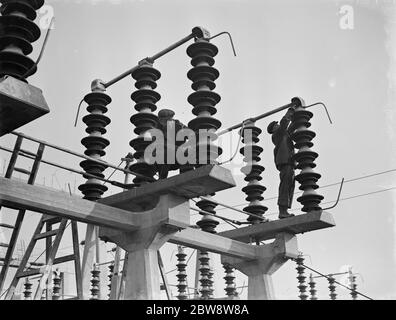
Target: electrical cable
column 78, row 112
column 322, row 187
column 188, row 260
column 327, row 202
column 237, row 148
column 114, row 171
column 27, row 73
column 342, row 285
column 349, row 198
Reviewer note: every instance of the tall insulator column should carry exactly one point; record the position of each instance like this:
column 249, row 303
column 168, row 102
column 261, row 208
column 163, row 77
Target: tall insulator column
column 181, row 274
column 57, row 286
column 95, row 143
column 312, row 290
column 254, row 190
column 204, row 101
column 352, row 285
column 110, row 276
column 43, row 294
column 95, row 280
column 27, row 294
column 211, row 281
column 204, row 270
column 229, row 278
column 17, row 33
column 305, row 158
column 145, row 98
column 208, row 223
column 332, row 287
column 302, row 287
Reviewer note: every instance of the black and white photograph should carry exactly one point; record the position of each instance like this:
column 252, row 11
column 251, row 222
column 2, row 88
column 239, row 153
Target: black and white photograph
column 209, row 152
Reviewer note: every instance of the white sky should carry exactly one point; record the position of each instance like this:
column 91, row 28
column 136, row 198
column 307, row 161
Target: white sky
column 284, row 50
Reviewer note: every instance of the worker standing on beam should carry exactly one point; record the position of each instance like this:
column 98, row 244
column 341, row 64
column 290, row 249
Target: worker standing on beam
column 169, row 127
column 283, row 153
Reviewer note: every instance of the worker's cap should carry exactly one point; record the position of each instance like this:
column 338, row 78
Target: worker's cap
column 297, row 101
column 166, row 114
column 270, row 128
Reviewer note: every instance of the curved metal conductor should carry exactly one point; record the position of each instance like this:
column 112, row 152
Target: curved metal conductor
column 28, row 73
column 324, row 106
column 338, row 197
column 78, row 112
column 229, row 36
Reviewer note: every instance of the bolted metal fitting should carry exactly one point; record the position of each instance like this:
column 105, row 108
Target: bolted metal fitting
column 200, row 32
column 98, row 86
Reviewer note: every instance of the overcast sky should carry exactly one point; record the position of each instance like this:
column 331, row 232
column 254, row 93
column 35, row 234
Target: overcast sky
column 284, row 49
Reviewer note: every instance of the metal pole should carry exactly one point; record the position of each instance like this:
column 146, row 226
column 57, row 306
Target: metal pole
column 114, row 183
column 97, row 258
column 149, row 59
column 77, row 154
column 295, row 102
column 121, row 284
column 264, row 115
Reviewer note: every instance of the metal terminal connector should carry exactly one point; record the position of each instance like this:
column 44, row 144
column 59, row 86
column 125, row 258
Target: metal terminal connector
column 98, row 86
column 146, row 60
column 200, row 33
column 298, row 101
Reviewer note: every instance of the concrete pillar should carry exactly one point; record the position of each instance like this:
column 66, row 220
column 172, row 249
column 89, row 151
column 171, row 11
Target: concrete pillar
column 270, row 257
column 260, row 287
column 88, row 259
column 142, row 280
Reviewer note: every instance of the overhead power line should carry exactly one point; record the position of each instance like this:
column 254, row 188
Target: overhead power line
column 326, row 186
column 339, row 283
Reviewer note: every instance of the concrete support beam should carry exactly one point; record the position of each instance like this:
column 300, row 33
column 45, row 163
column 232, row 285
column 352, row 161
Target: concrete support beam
column 270, row 257
column 88, row 259
column 142, row 245
column 268, row 230
column 191, row 184
column 19, row 195
column 206, row 241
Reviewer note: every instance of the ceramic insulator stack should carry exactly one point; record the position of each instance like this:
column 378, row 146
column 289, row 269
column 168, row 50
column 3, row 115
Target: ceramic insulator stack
column 95, row 143
column 305, row 158
column 312, row 288
column 110, row 276
column 56, row 286
column 145, row 98
column 95, row 282
column 181, row 274
column 17, row 33
column 252, row 170
column 205, row 281
column 204, row 101
column 353, row 286
column 302, row 287
column 332, row 287
column 229, row 278
column 27, row 293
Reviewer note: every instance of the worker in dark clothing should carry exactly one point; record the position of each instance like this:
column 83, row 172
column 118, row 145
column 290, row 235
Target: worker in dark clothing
column 166, row 122
column 283, row 153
